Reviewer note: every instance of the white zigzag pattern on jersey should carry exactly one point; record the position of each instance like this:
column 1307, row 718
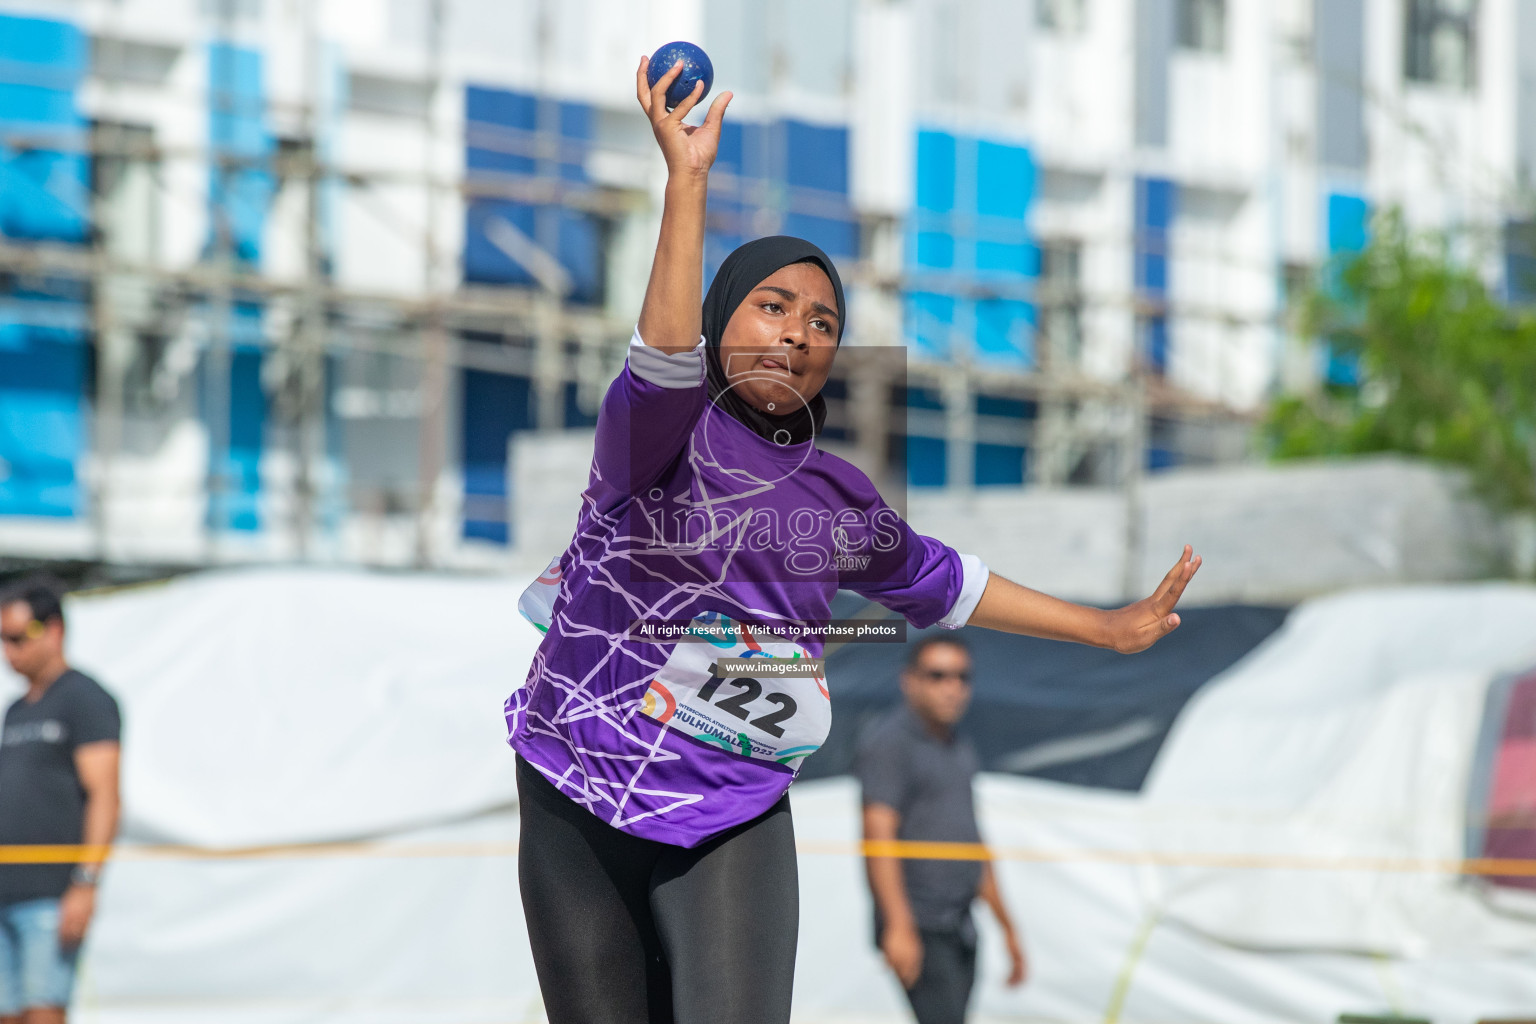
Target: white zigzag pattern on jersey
column 617, row 708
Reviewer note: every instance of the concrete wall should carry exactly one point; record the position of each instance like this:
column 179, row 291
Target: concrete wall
column 1267, row 534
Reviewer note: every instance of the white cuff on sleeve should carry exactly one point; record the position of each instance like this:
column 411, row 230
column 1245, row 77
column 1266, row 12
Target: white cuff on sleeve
column 677, row 370
column 976, row 576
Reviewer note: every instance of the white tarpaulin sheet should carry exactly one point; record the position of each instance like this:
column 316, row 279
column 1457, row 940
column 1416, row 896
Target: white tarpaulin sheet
column 311, row 707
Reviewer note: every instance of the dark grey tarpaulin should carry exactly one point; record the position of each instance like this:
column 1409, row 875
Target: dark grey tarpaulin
column 1053, row 710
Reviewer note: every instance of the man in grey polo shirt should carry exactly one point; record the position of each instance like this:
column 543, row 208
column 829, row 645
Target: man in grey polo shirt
column 916, row 773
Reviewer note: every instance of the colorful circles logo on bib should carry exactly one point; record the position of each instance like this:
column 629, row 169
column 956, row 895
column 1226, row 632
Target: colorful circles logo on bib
column 658, row 703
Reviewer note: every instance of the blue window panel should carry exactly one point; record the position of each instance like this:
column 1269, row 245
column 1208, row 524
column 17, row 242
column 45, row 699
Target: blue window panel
column 923, row 398
column 1348, row 223
column 1348, row 231
column 1005, row 332
column 728, row 154
column 247, row 426
column 241, row 182
column 935, row 171
column 39, row 106
column 834, row 391
column 927, row 461
column 1156, row 199
column 1012, row 408
column 935, row 250
column 236, row 505
column 745, row 149
column 1152, row 273
column 817, row 155
column 1157, row 343
column 1161, row 458
column 1156, row 203
column 717, row 246
column 42, row 429
column 1519, row 278
column 838, row 237
column 57, row 45
column 1000, row 465
column 487, row 160
column 1519, row 246
column 575, row 133
column 581, row 253
column 1341, row 367
column 503, row 121
column 494, row 406
column 1015, row 259
column 572, row 237
column 44, row 194
column 484, row 261
column 501, row 107
column 575, row 416
column 930, row 322
column 1005, row 180
column 575, row 120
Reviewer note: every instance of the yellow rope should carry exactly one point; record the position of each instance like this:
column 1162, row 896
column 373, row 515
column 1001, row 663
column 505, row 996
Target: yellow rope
column 902, row 849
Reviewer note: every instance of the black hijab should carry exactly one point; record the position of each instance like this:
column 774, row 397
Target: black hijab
column 742, row 271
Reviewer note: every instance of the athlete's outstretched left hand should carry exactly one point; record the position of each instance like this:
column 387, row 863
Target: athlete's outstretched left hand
column 1008, row 607
column 1138, row 626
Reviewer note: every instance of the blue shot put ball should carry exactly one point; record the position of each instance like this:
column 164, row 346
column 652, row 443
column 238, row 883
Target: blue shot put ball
column 696, row 66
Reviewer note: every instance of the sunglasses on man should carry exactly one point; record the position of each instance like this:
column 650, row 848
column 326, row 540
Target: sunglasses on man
column 938, row 675
column 34, row 630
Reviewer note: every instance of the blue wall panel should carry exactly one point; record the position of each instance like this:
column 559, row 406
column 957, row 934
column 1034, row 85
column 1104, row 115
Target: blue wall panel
column 1005, row 331
column 935, row 191
column 44, row 195
column 930, row 323
column 971, row 224
column 780, row 177
column 1348, row 220
column 42, row 431
column 502, row 139
column 1005, row 180
column 241, row 189
column 241, row 185
column 247, row 429
column 494, row 406
column 927, row 461
column 817, row 157
column 1000, row 465
column 1156, row 203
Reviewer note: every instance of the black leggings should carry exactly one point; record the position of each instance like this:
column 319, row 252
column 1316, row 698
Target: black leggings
column 632, row 931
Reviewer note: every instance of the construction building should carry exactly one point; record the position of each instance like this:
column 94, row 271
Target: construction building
column 281, row 280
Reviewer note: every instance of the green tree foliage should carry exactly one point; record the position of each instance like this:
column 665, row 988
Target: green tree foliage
column 1447, row 372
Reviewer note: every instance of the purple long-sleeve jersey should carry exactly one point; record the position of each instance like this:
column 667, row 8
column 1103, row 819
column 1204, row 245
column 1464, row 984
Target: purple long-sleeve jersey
column 692, row 518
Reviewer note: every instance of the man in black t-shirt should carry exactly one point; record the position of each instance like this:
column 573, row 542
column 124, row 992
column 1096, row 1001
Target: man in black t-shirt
column 58, row 785
column 916, row 774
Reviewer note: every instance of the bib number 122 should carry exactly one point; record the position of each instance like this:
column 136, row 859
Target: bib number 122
column 746, row 691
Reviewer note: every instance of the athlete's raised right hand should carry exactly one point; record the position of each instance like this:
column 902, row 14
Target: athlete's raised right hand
column 688, row 150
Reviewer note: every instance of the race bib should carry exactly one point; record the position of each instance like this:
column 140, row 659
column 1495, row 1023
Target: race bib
column 763, row 700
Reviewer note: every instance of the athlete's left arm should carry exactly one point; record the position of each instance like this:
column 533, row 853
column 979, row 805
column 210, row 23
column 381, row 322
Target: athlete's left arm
column 1008, row 607
column 97, row 766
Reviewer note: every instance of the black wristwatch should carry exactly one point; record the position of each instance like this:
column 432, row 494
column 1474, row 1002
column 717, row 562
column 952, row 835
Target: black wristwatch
column 85, row 874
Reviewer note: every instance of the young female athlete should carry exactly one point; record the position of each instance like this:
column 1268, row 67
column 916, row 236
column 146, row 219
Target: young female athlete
column 657, row 857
